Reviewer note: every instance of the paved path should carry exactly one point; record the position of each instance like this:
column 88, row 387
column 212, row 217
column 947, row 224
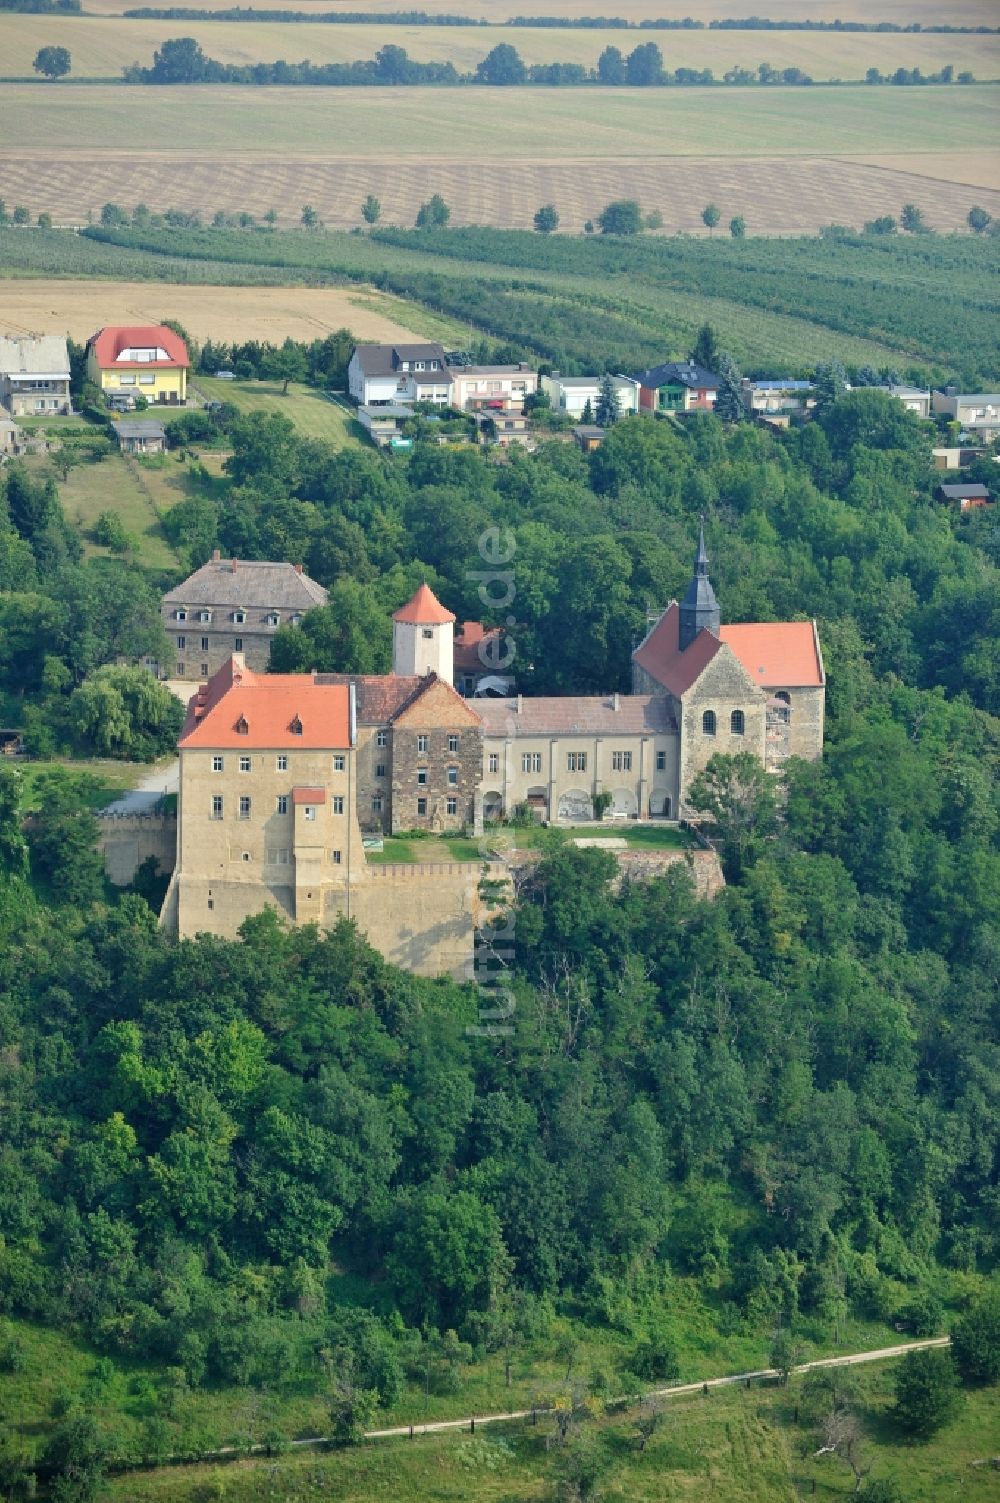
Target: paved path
column 146, row 794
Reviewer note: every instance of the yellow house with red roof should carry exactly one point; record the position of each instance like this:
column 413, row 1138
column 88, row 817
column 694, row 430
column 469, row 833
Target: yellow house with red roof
column 141, row 360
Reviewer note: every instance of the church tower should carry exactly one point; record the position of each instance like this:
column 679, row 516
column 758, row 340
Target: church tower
column 699, row 608
column 423, row 637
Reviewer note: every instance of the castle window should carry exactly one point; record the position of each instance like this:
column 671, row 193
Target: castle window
column 737, row 723
column 421, row 743
column 576, row 761
column 244, row 764
column 281, row 807
column 621, row 761
column 380, row 769
column 281, row 762
column 204, row 615
column 272, row 618
column 181, row 615
column 204, row 670
column 453, row 743
column 246, row 855
column 244, row 806
column 182, row 641
column 784, row 708
column 377, row 803
column 309, row 811
column 661, row 761
column 708, row 723
column 335, row 857
column 239, row 617
column 338, row 804
column 421, row 777
column 427, row 634
column 421, row 806
column 452, row 806
column 531, row 761
column 217, row 806
column 204, row 644
column 452, row 777
column 338, row 764
column 238, row 644
column 382, row 738
column 218, row 764
column 494, row 762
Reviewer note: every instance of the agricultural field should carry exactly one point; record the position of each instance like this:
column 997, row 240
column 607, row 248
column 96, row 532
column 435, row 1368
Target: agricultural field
column 101, row 48
column 899, row 12
column 219, row 313
column 788, row 160
column 314, row 413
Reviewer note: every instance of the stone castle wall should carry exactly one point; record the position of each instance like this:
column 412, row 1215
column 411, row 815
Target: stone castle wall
column 127, row 840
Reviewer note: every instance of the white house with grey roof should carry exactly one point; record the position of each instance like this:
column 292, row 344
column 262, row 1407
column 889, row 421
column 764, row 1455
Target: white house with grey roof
column 394, row 374
column 978, row 412
column 230, row 605
column 34, row 375
column 570, row 394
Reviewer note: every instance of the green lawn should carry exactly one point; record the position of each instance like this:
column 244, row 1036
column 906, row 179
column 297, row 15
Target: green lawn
column 655, row 837
column 113, row 485
column 314, row 413
column 422, row 848
column 97, row 781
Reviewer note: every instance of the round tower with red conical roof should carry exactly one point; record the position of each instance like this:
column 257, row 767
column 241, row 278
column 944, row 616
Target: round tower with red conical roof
column 423, row 637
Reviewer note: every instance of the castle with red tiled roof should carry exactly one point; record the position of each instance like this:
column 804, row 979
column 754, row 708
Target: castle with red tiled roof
column 284, row 776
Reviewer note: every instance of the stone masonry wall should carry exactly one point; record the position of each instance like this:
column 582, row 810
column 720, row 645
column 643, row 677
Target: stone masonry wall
column 723, row 687
column 127, row 840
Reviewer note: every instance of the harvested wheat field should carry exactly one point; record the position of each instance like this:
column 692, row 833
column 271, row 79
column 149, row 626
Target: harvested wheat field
column 102, row 47
column 784, row 196
column 223, row 313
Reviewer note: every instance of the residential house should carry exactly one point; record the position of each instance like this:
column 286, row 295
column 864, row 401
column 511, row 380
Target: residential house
column 677, row 386
column 383, row 424
column 232, row 606
column 964, row 495
column 147, row 360
column 140, row 436
column 912, row 398
column 381, row 375
column 34, row 375
column 777, row 398
column 12, row 440
column 977, row 413
column 492, row 388
column 954, row 458
column 505, row 428
column 589, row 436
column 570, row 394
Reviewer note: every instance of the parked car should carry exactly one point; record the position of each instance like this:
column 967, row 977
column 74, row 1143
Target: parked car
column 224, row 376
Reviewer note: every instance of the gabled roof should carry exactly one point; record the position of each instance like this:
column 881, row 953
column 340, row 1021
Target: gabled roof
column 139, row 428
column 384, row 698
column 683, row 372
column 384, row 359
column 107, row 344
column 778, row 654
column 579, row 715
column 34, row 355
column 469, row 637
column 240, row 710
column 423, row 609
column 659, row 653
column 967, row 492
column 234, row 582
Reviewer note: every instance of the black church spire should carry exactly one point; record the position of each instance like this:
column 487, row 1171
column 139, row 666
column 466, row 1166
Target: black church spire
column 699, row 608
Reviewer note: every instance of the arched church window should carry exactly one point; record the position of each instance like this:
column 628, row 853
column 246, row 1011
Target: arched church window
column 708, row 723
column 737, row 723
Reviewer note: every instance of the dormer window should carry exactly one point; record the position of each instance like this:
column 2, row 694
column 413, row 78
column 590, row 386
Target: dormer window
column 181, row 615
column 243, row 726
column 204, row 615
column 239, row 617
column 296, row 727
column 419, row 365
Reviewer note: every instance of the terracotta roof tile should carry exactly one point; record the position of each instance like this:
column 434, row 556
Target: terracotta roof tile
column 305, row 795
column 424, row 609
column 661, row 657
column 241, row 710
column 778, row 654
column 108, row 343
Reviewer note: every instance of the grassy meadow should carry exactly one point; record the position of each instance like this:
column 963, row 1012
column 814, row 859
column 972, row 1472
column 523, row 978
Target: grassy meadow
column 113, row 484
column 553, row 124
column 101, row 47
column 314, row 413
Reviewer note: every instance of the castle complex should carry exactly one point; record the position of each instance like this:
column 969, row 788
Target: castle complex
column 284, row 776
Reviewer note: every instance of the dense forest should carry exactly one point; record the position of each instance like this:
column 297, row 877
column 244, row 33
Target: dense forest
column 780, row 1106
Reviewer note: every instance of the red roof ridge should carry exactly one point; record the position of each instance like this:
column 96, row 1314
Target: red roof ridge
column 423, row 609
column 109, row 341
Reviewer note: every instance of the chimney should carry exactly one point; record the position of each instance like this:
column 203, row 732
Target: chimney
column 216, row 555
column 616, row 702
